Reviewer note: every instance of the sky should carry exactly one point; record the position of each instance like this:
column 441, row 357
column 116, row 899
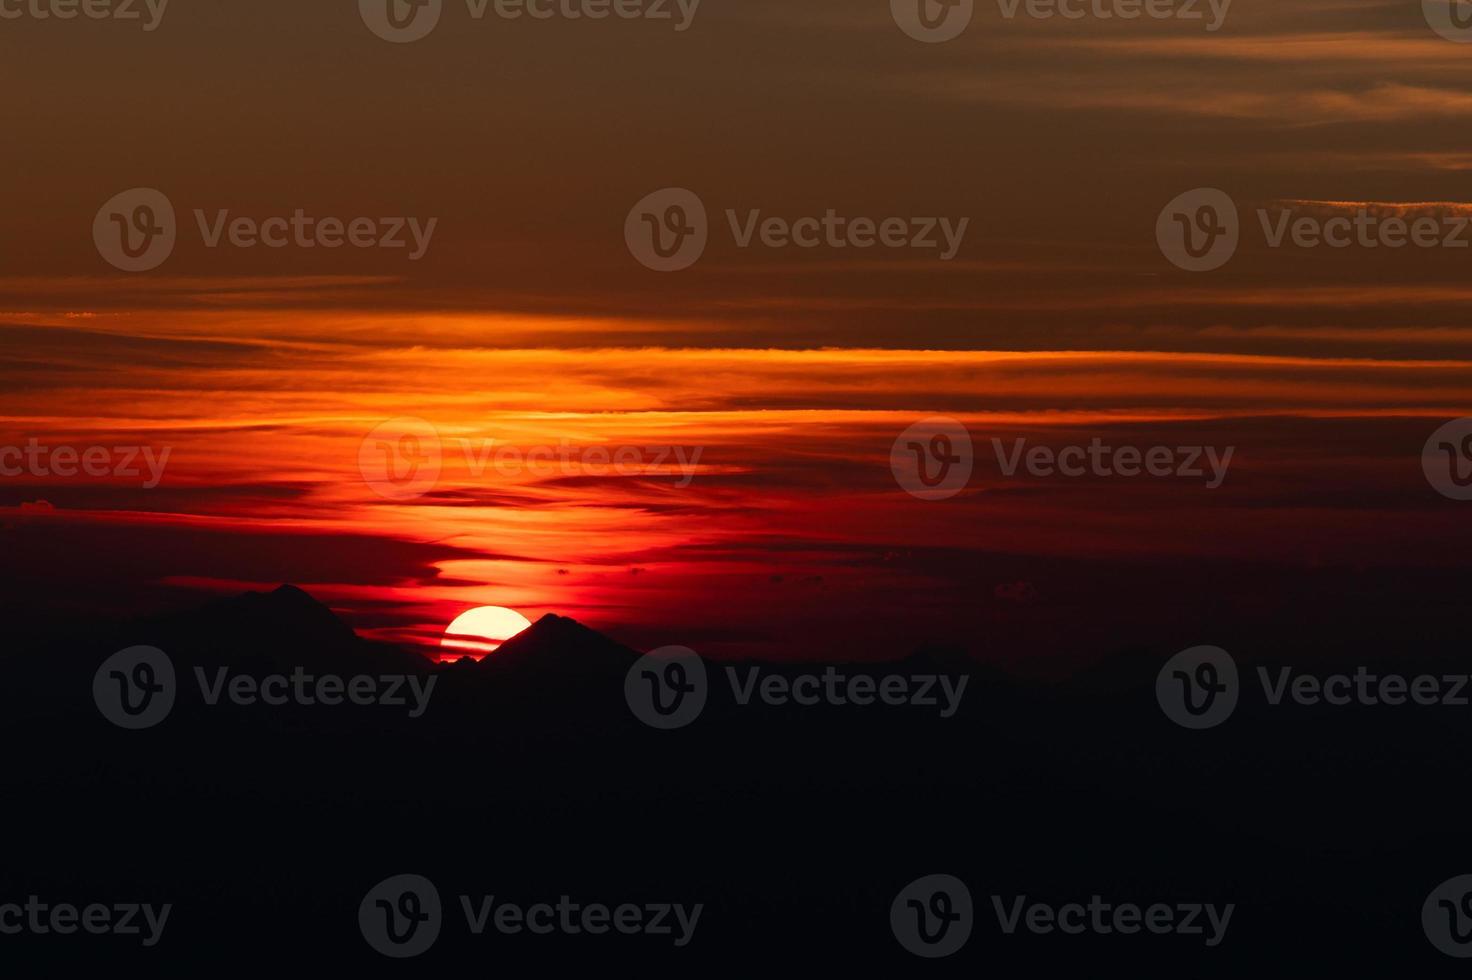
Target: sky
column 763, row 388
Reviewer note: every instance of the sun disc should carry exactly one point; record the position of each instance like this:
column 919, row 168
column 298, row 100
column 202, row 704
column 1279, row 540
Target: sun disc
column 477, row 632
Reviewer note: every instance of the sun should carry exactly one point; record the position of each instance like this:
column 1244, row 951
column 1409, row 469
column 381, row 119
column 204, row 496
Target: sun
column 480, row 631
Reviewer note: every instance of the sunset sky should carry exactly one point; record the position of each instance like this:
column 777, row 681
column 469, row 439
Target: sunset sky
column 528, row 323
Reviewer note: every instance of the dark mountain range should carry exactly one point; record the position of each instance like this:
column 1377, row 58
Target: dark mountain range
column 270, row 630
column 528, row 776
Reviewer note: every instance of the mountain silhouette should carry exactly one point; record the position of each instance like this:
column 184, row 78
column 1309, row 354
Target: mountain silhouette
column 561, row 647
column 276, row 630
column 528, row 776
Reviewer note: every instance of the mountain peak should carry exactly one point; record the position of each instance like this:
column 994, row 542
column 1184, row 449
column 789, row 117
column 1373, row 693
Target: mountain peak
column 289, row 607
column 286, row 626
column 289, row 592
column 559, row 645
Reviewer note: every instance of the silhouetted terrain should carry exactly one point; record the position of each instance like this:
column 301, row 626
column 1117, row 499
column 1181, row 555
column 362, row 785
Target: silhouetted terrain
column 528, row 777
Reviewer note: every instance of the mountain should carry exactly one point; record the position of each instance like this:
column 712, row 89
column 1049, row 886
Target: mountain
column 529, row 776
column 561, row 648
column 260, row 631
column 287, row 609
column 287, row 627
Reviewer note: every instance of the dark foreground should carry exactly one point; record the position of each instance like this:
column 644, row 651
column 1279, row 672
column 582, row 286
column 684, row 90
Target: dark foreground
column 529, row 781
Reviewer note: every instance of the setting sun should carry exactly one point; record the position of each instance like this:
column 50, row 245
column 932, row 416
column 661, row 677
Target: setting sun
column 478, row 632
